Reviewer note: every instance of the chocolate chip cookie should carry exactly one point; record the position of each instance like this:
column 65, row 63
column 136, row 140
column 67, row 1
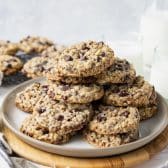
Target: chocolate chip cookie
column 63, row 121
column 27, row 99
column 32, row 128
column 105, row 141
column 75, row 93
column 34, row 44
column 147, row 112
column 35, row 67
column 46, row 104
column 121, row 71
column 52, row 51
column 9, row 64
column 115, row 120
column 83, row 59
column 8, row 48
column 137, row 94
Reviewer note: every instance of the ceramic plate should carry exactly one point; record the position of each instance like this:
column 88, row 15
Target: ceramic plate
column 77, row 147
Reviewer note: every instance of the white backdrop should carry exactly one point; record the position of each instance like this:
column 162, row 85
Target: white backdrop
column 69, row 21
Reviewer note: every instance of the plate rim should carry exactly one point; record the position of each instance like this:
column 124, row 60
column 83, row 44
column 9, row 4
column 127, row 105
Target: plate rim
column 26, row 138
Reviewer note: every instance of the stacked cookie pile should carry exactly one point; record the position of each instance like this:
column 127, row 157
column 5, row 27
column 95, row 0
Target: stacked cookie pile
column 87, row 90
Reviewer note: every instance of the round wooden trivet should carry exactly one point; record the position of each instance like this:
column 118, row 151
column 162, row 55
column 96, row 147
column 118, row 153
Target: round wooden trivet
column 121, row 161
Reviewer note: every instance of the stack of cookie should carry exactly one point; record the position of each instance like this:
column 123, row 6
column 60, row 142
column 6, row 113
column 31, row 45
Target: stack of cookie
column 87, row 89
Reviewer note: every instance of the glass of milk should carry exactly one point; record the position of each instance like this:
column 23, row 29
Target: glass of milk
column 159, row 71
column 154, row 33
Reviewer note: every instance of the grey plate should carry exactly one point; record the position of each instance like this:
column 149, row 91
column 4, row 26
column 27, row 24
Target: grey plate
column 77, row 147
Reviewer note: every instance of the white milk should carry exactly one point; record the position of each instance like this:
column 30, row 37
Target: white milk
column 159, row 76
column 154, row 33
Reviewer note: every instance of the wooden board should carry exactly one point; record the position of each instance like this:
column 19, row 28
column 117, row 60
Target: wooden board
column 121, row 161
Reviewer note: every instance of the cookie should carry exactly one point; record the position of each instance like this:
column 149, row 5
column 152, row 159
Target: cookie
column 52, row 51
column 83, row 59
column 64, row 79
column 46, row 104
column 9, row 64
column 32, row 128
column 115, row 120
column 35, row 67
column 63, row 121
column 27, row 99
column 137, row 94
column 147, row 112
column 75, row 93
column 121, row 71
column 34, row 44
column 105, row 141
column 8, row 48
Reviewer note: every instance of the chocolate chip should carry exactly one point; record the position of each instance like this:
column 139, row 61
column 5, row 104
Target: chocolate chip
column 41, row 110
column 68, row 58
column 103, row 54
column 65, row 87
column 101, row 118
column 45, row 86
column 45, row 131
column 60, row 118
column 114, row 89
column 123, row 136
column 9, row 65
column 123, row 93
column 64, row 97
column 119, row 67
column 126, row 114
column 84, row 47
column 101, row 42
column 83, row 58
column 98, row 59
column 106, row 87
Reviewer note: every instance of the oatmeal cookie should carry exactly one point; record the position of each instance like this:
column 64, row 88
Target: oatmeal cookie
column 83, row 59
column 27, row 99
column 147, row 112
column 121, row 71
column 53, row 51
column 32, row 128
column 137, row 94
column 104, row 141
column 34, row 44
column 46, row 104
column 115, row 120
column 63, row 121
column 35, row 67
column 75, row 93
column 9, row 64
column 8, row 48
